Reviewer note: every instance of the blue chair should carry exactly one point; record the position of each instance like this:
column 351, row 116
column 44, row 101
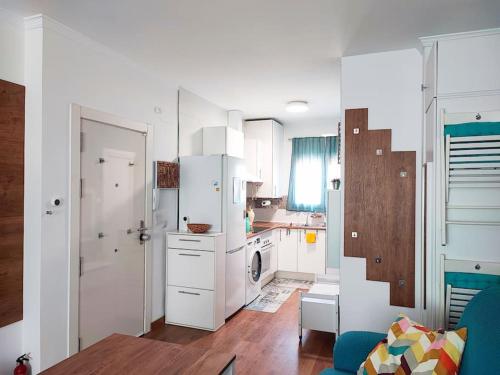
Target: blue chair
column 482, row 348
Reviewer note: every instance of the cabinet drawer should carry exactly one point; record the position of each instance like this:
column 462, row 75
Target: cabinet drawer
column 190, row 268
column 186, row 241
column 191, row 307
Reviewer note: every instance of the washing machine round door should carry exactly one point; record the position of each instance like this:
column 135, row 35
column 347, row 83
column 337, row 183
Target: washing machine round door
column 255, row 267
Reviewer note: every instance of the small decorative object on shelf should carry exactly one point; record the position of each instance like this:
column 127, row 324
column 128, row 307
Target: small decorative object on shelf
column 198, row 228
column 167, row 175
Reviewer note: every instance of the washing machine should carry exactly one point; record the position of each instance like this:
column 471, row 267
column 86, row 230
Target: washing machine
column 254, row 270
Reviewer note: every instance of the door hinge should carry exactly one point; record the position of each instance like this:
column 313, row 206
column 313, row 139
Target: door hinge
column 79, row 344
column 81, row 188
column 81, row 266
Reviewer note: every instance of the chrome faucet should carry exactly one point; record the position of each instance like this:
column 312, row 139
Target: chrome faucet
column 307, row 219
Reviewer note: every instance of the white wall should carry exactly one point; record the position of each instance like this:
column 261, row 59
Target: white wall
column 11, row 69
column 195, row 113
column 388, row 84
column 306, row 128
column 77, row 70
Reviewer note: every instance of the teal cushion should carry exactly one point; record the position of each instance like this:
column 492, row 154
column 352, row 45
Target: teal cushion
column 482, row 348
column 471, row 280
column 332, row 371
column 352, row 348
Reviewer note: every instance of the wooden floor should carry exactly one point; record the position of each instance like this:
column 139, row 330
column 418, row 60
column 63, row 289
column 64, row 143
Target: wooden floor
column 264, row 343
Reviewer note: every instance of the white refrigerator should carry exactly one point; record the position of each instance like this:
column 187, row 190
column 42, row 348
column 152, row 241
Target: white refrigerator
column 213, row 191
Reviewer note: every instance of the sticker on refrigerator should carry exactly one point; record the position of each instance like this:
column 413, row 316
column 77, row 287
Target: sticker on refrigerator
column 215, row 185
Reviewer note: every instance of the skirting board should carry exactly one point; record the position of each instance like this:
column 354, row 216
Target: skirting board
column 295, row 275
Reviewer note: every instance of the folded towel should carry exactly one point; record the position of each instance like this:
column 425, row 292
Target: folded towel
column 311, row 237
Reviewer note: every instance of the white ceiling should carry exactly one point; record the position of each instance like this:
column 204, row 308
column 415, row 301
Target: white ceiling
column 255, row 55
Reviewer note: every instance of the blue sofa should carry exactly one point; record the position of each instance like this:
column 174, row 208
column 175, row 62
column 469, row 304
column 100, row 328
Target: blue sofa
column 482, row 348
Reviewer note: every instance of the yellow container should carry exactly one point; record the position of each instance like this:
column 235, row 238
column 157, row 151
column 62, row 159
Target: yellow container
column 311, row 237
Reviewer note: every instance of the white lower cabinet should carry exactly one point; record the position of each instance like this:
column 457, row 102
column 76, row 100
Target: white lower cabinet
column 311, row 256
column 287, row 250
column 274, row 251
column 195, row 292
column 192, row 269
column 296, row 255
column 190, row 307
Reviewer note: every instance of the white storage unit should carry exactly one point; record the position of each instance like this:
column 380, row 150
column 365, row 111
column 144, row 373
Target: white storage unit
column 223, row 140
column 461, row 83
column 195, row 293
column 296, row 255
column 319, row 308
column 463, row 65
column 270, row 135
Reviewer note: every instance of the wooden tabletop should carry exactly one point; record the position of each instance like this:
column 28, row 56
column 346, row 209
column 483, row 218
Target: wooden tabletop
column 121, row 354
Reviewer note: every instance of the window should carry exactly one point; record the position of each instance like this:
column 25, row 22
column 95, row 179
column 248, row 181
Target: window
column 314, row 165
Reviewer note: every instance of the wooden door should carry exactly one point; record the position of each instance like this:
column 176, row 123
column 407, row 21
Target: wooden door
column 11, row 201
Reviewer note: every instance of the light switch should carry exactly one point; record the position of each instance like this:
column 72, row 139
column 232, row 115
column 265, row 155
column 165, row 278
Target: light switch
column 356, row 131
column 354, row 234
column 403, row 174
column 379, row 152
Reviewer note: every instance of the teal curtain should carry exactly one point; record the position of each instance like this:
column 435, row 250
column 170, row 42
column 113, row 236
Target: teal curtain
column 311, row 159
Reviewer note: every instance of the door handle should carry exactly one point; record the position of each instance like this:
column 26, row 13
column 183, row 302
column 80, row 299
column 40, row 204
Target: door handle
column 142, row 227
column 190, row 293
column 188, row 240
column 190, row 255
column 143, row 236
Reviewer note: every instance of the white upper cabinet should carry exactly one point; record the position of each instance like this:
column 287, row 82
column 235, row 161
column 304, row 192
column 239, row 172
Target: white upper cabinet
column 268, row 135
column 223, row 140
column 461, row 67
column 253, row 159
column 469, row 63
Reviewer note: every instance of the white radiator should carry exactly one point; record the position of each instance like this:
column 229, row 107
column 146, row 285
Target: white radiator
column 456, row 300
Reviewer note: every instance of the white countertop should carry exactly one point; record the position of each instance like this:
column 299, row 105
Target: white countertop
column 206, row 234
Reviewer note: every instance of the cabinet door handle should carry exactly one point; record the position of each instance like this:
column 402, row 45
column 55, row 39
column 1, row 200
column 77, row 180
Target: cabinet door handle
column 190, row 293
column 188, row 240
column 190, row 255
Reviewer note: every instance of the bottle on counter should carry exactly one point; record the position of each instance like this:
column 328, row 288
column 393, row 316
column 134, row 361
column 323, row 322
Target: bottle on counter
column 251, row 216
column 247, row 223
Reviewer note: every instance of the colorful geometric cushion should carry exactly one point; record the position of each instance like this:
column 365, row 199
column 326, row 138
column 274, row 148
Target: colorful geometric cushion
column 411, row 348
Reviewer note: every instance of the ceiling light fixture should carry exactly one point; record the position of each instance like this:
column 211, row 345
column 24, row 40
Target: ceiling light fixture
column 297, row 106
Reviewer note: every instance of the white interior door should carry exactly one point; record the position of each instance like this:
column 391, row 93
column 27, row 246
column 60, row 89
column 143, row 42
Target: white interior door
column 112, row 208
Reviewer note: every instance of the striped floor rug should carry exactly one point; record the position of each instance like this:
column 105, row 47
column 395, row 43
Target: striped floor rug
column 276, row 293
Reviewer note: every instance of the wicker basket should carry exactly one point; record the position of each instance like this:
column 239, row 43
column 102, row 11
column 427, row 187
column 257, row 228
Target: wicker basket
column 198, row 228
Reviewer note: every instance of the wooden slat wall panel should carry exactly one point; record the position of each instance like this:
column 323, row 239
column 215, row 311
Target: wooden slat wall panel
column 11, row 201
column 380, row 207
